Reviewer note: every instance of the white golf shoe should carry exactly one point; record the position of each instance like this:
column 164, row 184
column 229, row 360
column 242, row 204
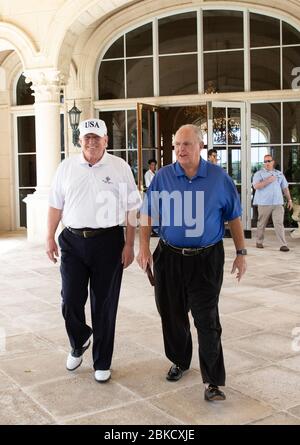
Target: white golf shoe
column 102, row 376
column 74, row 359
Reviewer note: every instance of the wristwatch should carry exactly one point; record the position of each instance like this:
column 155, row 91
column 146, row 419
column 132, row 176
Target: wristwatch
column 241, row 252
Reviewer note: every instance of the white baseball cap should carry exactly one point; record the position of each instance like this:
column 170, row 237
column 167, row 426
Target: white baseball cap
column 95, row 126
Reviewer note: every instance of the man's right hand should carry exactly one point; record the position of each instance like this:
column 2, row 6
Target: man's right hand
column 271, row 179
column 52, row 250
column 144, row 257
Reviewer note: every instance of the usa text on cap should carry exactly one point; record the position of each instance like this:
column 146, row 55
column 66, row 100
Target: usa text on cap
column 95, row 126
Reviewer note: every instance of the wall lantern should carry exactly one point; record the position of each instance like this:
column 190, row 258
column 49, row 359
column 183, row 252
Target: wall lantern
column 74, row 118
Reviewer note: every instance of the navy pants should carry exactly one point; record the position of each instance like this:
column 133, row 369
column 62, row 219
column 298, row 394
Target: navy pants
column 94, row 262
column 184, row 283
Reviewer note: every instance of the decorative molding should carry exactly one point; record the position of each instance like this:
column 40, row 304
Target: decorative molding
column 46, row 84
column 20, row 41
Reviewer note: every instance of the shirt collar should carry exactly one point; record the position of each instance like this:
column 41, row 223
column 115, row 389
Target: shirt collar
column 201, row 172
column 270, row 171
column 102, row 161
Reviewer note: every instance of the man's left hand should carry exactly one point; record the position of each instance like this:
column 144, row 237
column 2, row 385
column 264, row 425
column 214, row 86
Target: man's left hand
column 127, row 255
column 240, row 265
column 290, row 205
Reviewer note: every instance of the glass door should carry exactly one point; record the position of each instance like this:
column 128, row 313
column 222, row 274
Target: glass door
column 226, row 134
column 26, row 164
column 148, row 139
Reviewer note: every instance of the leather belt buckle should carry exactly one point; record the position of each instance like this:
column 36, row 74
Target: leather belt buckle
column 86, row 233
column 185, row 252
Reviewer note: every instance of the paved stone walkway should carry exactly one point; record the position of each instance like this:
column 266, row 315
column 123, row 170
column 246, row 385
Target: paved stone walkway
column 262, row 352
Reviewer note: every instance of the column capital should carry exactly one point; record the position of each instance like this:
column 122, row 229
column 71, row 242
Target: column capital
column 46, row 84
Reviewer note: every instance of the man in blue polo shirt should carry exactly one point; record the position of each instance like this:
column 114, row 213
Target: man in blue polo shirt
column 188, row 202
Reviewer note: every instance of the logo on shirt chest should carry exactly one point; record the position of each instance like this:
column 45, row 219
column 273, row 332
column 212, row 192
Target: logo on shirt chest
column 107, row 180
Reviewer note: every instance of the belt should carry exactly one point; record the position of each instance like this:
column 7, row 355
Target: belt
column 186, row 251
column 89, row 233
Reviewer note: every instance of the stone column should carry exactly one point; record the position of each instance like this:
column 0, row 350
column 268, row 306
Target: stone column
column 6, row 150
column 46, row 87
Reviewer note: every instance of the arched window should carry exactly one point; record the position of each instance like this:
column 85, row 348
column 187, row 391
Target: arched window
column 128, row 68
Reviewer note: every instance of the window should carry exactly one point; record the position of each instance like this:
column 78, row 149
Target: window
column 218, row 70
column 178, row 75
column 222, row 30
column 267, row 120
column 26, row 161
column 177, row 34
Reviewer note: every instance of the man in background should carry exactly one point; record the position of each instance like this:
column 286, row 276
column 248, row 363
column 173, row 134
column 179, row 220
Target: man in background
column 150, row 173
column 212, row 156
column 269, row 184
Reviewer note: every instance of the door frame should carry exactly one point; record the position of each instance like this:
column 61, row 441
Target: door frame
column 245, row 154
column 140, row 107
column 245, row 148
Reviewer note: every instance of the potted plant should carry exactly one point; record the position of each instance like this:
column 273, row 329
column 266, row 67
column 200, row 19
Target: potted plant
column 295, row 195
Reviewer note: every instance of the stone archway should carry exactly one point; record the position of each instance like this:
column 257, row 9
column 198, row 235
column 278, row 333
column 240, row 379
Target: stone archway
column 21, row 42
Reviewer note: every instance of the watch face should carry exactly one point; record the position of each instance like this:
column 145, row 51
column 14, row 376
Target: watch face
column 241, row 252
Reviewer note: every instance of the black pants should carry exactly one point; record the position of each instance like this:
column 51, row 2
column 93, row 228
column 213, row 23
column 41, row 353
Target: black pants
column 184, row 283
column 96, row 262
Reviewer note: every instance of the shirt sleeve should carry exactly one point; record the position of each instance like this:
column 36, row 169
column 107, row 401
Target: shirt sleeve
column 284, row 184
column 232, row 208
column 56, row 195
column 256, row 178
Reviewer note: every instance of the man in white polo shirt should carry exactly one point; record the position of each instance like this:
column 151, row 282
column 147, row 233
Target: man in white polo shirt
column 94, row 194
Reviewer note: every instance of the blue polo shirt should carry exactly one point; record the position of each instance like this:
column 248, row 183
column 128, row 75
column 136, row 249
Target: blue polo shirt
column 271, row 194
column 191, row 212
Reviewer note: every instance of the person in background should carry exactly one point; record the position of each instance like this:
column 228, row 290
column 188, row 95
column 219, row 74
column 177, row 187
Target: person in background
column 212, row 156
column 150, row 173
column 269, row 184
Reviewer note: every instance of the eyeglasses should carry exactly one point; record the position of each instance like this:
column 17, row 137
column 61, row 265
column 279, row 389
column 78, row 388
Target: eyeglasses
column 269, row 160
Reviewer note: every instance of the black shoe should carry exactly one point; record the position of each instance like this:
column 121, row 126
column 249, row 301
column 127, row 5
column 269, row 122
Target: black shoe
column 78, row 352
column 213, row 393
column 284, row 249
column 175, row 373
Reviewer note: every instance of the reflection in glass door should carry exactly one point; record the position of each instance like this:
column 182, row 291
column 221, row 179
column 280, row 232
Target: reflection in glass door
column 148, row 139
column 226, row 134
column 26, row 162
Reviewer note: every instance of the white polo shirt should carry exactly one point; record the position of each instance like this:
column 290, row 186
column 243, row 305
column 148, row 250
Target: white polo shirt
column 94, row 196
column 148, row 176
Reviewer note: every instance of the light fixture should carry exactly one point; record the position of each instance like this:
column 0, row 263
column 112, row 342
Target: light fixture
column 74, row 118
column 224, row 128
